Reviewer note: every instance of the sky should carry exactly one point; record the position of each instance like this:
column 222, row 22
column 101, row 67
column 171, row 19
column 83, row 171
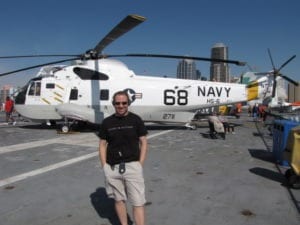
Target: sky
column 190, row 27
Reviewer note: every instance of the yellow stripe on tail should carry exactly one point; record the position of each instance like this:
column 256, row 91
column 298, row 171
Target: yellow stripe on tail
column 252, row 91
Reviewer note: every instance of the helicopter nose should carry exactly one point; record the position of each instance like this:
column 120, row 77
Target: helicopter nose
column 20, row 98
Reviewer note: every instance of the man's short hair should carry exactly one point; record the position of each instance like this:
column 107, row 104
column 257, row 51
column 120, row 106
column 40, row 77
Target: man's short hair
column 121, row 93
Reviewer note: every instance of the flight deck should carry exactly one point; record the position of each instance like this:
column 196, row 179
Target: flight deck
column 51, row 178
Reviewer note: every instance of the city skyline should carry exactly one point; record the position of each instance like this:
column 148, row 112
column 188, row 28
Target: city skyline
column 248, row 28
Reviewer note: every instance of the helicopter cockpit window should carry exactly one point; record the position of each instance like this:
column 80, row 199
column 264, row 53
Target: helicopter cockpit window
column 74, row 94
column 104, row 94
column 38, row 88
column 35, row 89
column 87, row 74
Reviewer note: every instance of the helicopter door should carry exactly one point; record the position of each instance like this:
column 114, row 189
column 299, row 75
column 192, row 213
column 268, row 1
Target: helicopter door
column 34, row 92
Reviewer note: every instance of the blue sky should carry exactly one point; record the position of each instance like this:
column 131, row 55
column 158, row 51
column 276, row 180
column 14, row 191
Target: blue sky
column 189, row 27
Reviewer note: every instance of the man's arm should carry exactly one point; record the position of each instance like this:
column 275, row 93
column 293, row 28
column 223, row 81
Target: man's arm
column 102, row 151
column 143, row 149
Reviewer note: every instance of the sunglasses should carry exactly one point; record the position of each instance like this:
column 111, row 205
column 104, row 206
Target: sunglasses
column 120, row 103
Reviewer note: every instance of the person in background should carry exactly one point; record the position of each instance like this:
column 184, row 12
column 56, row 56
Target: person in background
column 122, row 152
column 9, row 108
column 255, row 112
column 238, row 110
column 215, row 126
column 264, row 113
column 228, row 128
column 224, row 120
column 249, row 110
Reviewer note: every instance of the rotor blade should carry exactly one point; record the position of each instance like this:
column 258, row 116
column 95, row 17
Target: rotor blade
column 124, row 26
column 36, row 66
column 275, row 72
column 263, row 73
column 284, row 64
column 34, row 56
column 270, row 56
column 289, row 80
column 239, row 63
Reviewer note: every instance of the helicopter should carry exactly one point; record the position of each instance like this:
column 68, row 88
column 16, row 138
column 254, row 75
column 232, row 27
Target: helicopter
column 274, row 95
column 83, row 90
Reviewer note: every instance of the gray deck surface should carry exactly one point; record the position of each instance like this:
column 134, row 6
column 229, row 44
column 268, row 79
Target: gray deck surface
column 191, row 179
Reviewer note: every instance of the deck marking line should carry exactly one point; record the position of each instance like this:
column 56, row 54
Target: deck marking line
column 45, row 169
column 27, row 145
column 60, row 140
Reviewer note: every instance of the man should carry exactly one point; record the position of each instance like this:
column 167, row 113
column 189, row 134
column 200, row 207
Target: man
column 215, row 126
column 122, row 152
column 9, row 108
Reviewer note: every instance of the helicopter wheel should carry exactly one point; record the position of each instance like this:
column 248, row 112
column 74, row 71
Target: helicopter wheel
column 65, row 128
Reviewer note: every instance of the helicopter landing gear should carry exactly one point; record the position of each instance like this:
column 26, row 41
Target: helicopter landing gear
column 50, row 123
column 66, row 127
column 191, row 126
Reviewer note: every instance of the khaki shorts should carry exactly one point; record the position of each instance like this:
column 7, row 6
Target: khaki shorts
column 129, row 185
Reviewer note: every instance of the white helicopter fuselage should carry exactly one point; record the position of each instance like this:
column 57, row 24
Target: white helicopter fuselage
column 84, row 92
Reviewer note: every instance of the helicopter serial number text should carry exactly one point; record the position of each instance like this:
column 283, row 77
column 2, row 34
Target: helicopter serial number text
column 168, row 116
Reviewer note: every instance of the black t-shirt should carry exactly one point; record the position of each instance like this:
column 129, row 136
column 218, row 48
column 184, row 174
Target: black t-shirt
column 122, row 135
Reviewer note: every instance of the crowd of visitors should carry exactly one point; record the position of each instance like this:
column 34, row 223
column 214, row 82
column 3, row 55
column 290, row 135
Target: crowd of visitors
column 258, row 112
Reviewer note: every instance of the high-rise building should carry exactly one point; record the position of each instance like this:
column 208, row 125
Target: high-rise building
column 6, row 90
column 198, row 75
column 219, row 71
column 293, row 93
column 186, row 69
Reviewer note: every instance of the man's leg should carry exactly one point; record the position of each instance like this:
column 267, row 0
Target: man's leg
column 121, row 212
column 139, row 215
